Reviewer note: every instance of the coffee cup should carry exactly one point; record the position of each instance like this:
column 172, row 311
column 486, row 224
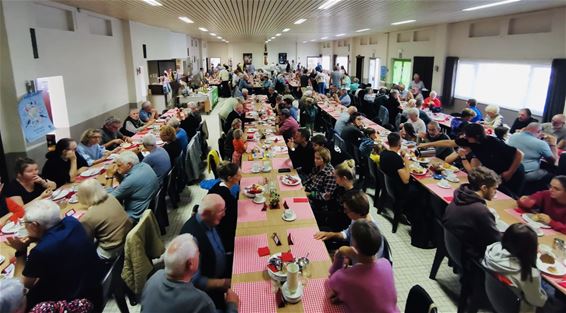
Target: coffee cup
column 444, row 183
column 288, row 213
column 292, row 277
column 259, row 197
column 255, row 167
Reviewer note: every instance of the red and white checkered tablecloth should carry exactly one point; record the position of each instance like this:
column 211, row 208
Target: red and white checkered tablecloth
column 304, row 243
column 256, row 297
column 316, row 298
column 246, row 258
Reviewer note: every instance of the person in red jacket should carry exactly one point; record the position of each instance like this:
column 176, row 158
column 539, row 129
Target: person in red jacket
column 550, row 204
column 432, row 101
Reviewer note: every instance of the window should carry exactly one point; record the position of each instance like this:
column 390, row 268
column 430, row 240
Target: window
column 509, row 85
column 342, row 61
column 312, row 62
column 326, row 64
column 214, row 62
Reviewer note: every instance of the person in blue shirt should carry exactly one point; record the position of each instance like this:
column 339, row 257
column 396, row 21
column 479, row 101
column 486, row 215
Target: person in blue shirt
column 343, row 98
column 63, row 265
column 182, row 136
column 158, row 158
column 147, row 112
column 472, row 104
column 90, row 148
column 138, row 184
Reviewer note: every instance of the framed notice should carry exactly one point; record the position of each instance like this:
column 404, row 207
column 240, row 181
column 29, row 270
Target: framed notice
column 282, row 58
column 247, row 58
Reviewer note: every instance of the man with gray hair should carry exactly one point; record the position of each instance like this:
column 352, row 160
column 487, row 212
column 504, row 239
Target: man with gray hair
column 147, row 112
column 12, row 296
column 181, row 134
column 215, row 266
column 344, row 118
column 343, row 97
column 111, row 135
column 535, row 149
column 138, row 184
column 64, row 264
column 413, row 118
column 433, row 134
column 556, row 128
column 172, row 290
column 238, row 112
column 157, row 158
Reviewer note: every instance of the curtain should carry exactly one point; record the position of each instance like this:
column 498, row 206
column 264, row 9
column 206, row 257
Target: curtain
column 556, row 95
column 450, row 68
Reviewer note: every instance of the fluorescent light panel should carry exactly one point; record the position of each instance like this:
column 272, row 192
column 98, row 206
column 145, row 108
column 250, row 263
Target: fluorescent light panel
column 202, row 29
column 186, row 19
column 300, row 21
column 403, row 22
column 340, row 35
column 153, row 3
column 323, row 38
column 362, row 30
column 278, row 34
column 490, row 5
column 213, row 34
column 328, row 4
column 286, row 30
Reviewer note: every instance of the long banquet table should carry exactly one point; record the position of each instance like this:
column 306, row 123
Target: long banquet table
column 255, row 228
column 504, row 206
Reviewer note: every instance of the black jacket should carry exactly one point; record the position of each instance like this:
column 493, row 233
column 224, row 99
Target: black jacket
column 227, row 227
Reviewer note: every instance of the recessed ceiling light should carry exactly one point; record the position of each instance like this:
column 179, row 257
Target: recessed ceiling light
column 286, row 30
column 323, row 38
column 340, row 35
column 304, row 41
column 403, row 22
column 153, row 3
column 227, row 42
column 186, row 19
column 313, row 39
column 202, row 29
column 213, row 34
column 300, row 21
column 219, row 37
column 362, row 30
column 272, row 37
column 490, row 5
column 278, row 34
column 328, row 4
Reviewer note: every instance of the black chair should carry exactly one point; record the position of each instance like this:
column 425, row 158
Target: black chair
column 170, row 185
column 159, row 209
column 396, row 202
column 340, row 144
column 380, row 198
column 112, row 284
column 419, row 301
column 440, row 249
column 503, row 298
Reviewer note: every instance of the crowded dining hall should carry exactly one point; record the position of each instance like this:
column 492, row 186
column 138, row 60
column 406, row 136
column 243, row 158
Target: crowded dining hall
column 283, row 156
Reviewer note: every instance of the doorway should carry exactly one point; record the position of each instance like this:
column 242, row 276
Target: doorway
column 373, row 77
column 326, row 65
column 53, row 91
column 312, row 62
column 343, row 61
column 424, row 66
column 360, row 67
column 401, row 71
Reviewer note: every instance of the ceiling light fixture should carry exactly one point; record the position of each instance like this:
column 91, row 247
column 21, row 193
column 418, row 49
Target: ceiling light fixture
column 213, row 34
column 304, row 41
column 278, row 34
column 340, row 35
column 202, row 29
column 227, row 42
column 272, row 38
column 153, row 3
column 404, row 22
column 362, row 30
column 323, row 38
column 219, row 37
column 186, row 19
column 328, row 4
column 300, row 21
column 286, row 30
column 313, row 39
column 479, row 7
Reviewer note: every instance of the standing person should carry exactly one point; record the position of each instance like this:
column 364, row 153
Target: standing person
column 28, row 185
column 416, row 84
column 63, row 164
column 514, row 260
column 321, row 82
column 523, row 119
column 367, row 286
column 224, row 76
column 239, row 146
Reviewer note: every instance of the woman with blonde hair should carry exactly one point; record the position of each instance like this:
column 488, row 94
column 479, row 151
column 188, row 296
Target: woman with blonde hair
column 106, row 220
column 172, row 145
column 321, row 183
column 90, row 148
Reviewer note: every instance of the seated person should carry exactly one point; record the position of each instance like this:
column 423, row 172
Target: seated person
column 172, row 145
column 352, row 133
column 172, row 290
column 158, row 158
column 433, row 134
column 432, row 102
column 64, row 163
column 133, row 123
column 228, row 146
column 180, row 133
column 239, row 146
column 523, row 119
column 320, row 184
column 90, row 148
column 472, row 105
column 192, row 119
column 343, row 97
column 214, row 272
column 492, row 117
column 514, row 260
column 344, row 119
column 557, row 129
column 138, row 184
column 368, row 142
column 28, row 185
column 237, row 112
column 148, row 113
column 106, row 220
column 63, row 265
column 368, row 286
column 550, row 205
column 458, row 123
column 301, row 151
column 112, row 138
column 287, row 124
column 468, row 217
column 414, row 119
column 407, row 132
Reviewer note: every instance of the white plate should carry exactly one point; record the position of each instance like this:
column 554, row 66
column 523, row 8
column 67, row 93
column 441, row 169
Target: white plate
column 91, row 172
column 530, row 221
column 285, row 181
column 290, row 219
column 453, row 179
column 544, row 267
column 442, row 186
column 255, row 200
column 279, row 276
column 251, row 130
column 59, row 194
column 11, row 228
column 2, row 259
column 267, row 169
column 256, row 170
column 74, row 199
column 292, row 297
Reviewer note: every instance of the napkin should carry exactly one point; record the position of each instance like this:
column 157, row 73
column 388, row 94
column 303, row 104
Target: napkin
column 287, row 257
column 562, row 284
column 519, row 210
column 448, row 198
column 16, row 209
column 300, row 200
column 263, row 251
column 272, row 268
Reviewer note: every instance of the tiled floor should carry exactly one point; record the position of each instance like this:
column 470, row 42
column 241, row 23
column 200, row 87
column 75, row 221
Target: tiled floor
column 411, row 265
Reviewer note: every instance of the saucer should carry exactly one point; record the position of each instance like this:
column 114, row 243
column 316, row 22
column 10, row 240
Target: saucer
column 267, row 169
column 290, row 219
column 258, row 201
column 294, row 297
column 443, row 186
column 453, row 179
column 256, row 170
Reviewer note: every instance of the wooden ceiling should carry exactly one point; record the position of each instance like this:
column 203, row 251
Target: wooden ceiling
column 259, row 20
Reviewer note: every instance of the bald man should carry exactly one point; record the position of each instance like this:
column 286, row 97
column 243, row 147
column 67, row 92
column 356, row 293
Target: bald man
column 344, row 118
column 557, row 129
column 215, row 265
column 171, row 289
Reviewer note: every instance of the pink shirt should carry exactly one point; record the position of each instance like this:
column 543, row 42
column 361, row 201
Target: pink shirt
column 365, row 287
column 289, row 124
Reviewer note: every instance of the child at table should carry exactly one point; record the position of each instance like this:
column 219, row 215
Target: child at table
column 550, row 203
column 239, row 146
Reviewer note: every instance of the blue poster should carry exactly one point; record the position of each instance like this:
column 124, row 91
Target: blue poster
column 34, row 119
